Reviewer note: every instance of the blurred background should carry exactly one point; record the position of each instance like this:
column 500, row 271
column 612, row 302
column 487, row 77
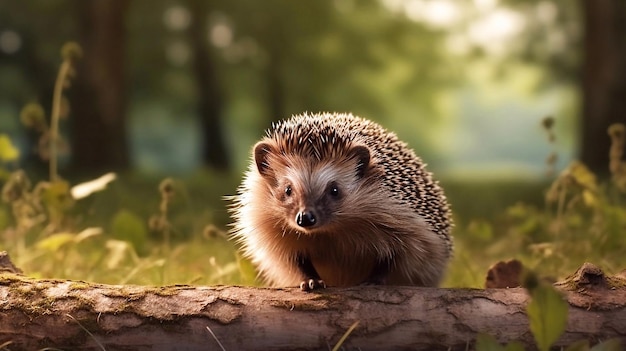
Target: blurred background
column 485, row 91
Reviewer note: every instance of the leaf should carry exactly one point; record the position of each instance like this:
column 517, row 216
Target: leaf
column 130, row 227
column 485, row 342
column 57, row 195
column 87, row 233
column 85, row 189
column 609, row 345
column 117, row 251
column 514, row 346
column 55, row 242
column 581, row 345
column 547, row 313
column 589, row 198
column 583, row 176
column 8, row 152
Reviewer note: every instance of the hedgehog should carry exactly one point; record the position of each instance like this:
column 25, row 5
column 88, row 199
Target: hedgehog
column 333, row 199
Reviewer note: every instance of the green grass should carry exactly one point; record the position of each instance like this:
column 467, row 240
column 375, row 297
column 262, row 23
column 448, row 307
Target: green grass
column 552, row 228
column 493, row 221
column 126, row 250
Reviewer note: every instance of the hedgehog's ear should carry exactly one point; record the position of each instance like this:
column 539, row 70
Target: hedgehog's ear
column 262, row 150
column 362, row 156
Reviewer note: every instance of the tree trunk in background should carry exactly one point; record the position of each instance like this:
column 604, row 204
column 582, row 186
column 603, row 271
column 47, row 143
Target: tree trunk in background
column 210, row 105
column 604, row 78
column 98, row 98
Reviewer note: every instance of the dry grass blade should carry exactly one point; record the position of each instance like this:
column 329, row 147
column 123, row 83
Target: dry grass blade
column 345, row 336
column 215, row 337
column 88, row 332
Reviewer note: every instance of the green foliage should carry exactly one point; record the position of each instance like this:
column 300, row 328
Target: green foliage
column 485, row 342
column 130, row 227
column 33, row 116
column 122, row 252
column 580, row 218
column 583, row 345
column 49, row 200
column 54, row 242
column 583, row 220
column 8, row 152
column 609, row 345
column 547, row 313
column 56, row 198
column 40, row 224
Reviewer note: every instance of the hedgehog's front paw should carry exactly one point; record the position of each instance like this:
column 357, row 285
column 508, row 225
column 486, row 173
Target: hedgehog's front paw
column 312, row 284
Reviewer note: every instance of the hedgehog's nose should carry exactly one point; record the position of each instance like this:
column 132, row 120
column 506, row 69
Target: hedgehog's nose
column 305, row 219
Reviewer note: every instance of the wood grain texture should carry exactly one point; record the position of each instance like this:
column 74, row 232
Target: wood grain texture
column 38, row 313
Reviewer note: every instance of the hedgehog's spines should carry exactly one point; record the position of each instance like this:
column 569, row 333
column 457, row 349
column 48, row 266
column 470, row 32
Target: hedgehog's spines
column 393, row 209
column 402, row 168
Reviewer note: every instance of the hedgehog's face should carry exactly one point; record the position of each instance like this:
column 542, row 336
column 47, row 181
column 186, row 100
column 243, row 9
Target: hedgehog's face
column 307, row 193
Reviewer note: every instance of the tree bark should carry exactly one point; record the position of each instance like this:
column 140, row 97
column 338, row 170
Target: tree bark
column 38, row 313
column 210, row 99
column 603, row 78
column 98, row 101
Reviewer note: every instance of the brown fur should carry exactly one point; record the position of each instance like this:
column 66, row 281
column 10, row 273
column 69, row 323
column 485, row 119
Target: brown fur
column 372, row 217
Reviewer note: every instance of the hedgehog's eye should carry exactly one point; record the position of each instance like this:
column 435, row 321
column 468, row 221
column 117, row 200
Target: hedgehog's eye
column 333, row 190
column 288, row 190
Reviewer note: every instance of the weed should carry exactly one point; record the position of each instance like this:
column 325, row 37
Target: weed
column 160, row 222
column 547, row 313
column 41, row 224
column 583, row 219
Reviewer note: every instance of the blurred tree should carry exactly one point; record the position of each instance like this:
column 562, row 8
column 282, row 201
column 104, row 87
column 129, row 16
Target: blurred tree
column 38, row 86
column 583, row 45
column 603, row 78
column 282, row 57
column 346, row 56
column 98, row 101
column 210, row 95
column 283, row 30
column 29, row 67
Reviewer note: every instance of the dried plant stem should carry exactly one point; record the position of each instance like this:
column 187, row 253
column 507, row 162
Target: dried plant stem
column 345, row 336
column 56, row 115
column 560, row 212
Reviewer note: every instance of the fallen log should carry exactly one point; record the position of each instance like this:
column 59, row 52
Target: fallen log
column 61, row 314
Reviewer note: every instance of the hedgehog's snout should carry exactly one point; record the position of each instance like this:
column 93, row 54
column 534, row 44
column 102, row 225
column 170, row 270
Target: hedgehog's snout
column 306, row 219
